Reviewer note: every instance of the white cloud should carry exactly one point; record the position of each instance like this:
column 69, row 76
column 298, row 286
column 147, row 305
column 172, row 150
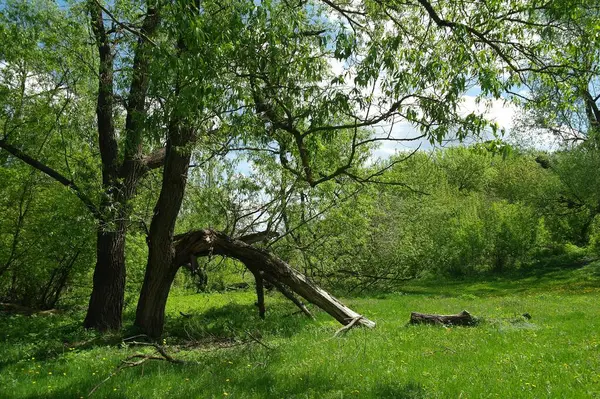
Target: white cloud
column 337, row 66
column 498, row 110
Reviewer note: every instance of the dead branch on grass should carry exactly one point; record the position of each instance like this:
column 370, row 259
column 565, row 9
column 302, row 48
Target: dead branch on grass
column 130, row 361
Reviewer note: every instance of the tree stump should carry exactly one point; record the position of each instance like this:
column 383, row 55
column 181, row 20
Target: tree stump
column 464, row 318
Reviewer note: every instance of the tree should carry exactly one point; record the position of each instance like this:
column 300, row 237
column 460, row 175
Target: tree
column 563, row 105
column 288, row 113
column 123, row 162
column 175, row 76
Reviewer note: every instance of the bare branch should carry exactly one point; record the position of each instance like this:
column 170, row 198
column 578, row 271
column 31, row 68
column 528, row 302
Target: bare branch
column 122, row 25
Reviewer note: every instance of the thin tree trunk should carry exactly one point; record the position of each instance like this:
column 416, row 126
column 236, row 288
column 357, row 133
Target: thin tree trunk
column 289, row 295
column 64, row 274
column 260, row 295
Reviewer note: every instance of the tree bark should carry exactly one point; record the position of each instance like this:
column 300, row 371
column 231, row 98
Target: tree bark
column 163, row 265
column 161, row 270
column 289, row 295
column 105, row 308
column 119, row 179
column 106, row 301
column 463, row 318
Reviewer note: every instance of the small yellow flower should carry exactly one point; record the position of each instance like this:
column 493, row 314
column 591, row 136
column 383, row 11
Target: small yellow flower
column 49, row 372
column 225, row 394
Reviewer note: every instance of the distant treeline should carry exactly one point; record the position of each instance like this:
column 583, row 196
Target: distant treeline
column 460, row 211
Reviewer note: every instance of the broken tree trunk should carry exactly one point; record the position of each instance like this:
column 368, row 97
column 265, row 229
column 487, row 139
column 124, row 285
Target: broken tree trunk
column 464, row 318
column 270, row 267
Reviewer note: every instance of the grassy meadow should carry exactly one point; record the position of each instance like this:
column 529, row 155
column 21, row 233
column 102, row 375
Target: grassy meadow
column 230, row 353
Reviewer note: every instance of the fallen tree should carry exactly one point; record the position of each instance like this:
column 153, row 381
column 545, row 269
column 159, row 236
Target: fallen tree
column 264, row 266
column 463, row 318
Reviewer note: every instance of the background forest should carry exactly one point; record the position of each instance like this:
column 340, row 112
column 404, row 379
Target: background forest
column 459, row 212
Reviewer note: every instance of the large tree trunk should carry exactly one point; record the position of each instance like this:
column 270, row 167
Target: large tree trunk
column 106, row 302
column 119, row 179
column 150, row 314
column 167, row 253
column 160, row 270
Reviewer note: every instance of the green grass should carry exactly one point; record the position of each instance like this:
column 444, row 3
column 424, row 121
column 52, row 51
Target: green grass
column 556, row 354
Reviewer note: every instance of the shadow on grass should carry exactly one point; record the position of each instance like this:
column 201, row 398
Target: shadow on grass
column 48, row 337
column 213, row 378
column 233, row 321
column 215, row 375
